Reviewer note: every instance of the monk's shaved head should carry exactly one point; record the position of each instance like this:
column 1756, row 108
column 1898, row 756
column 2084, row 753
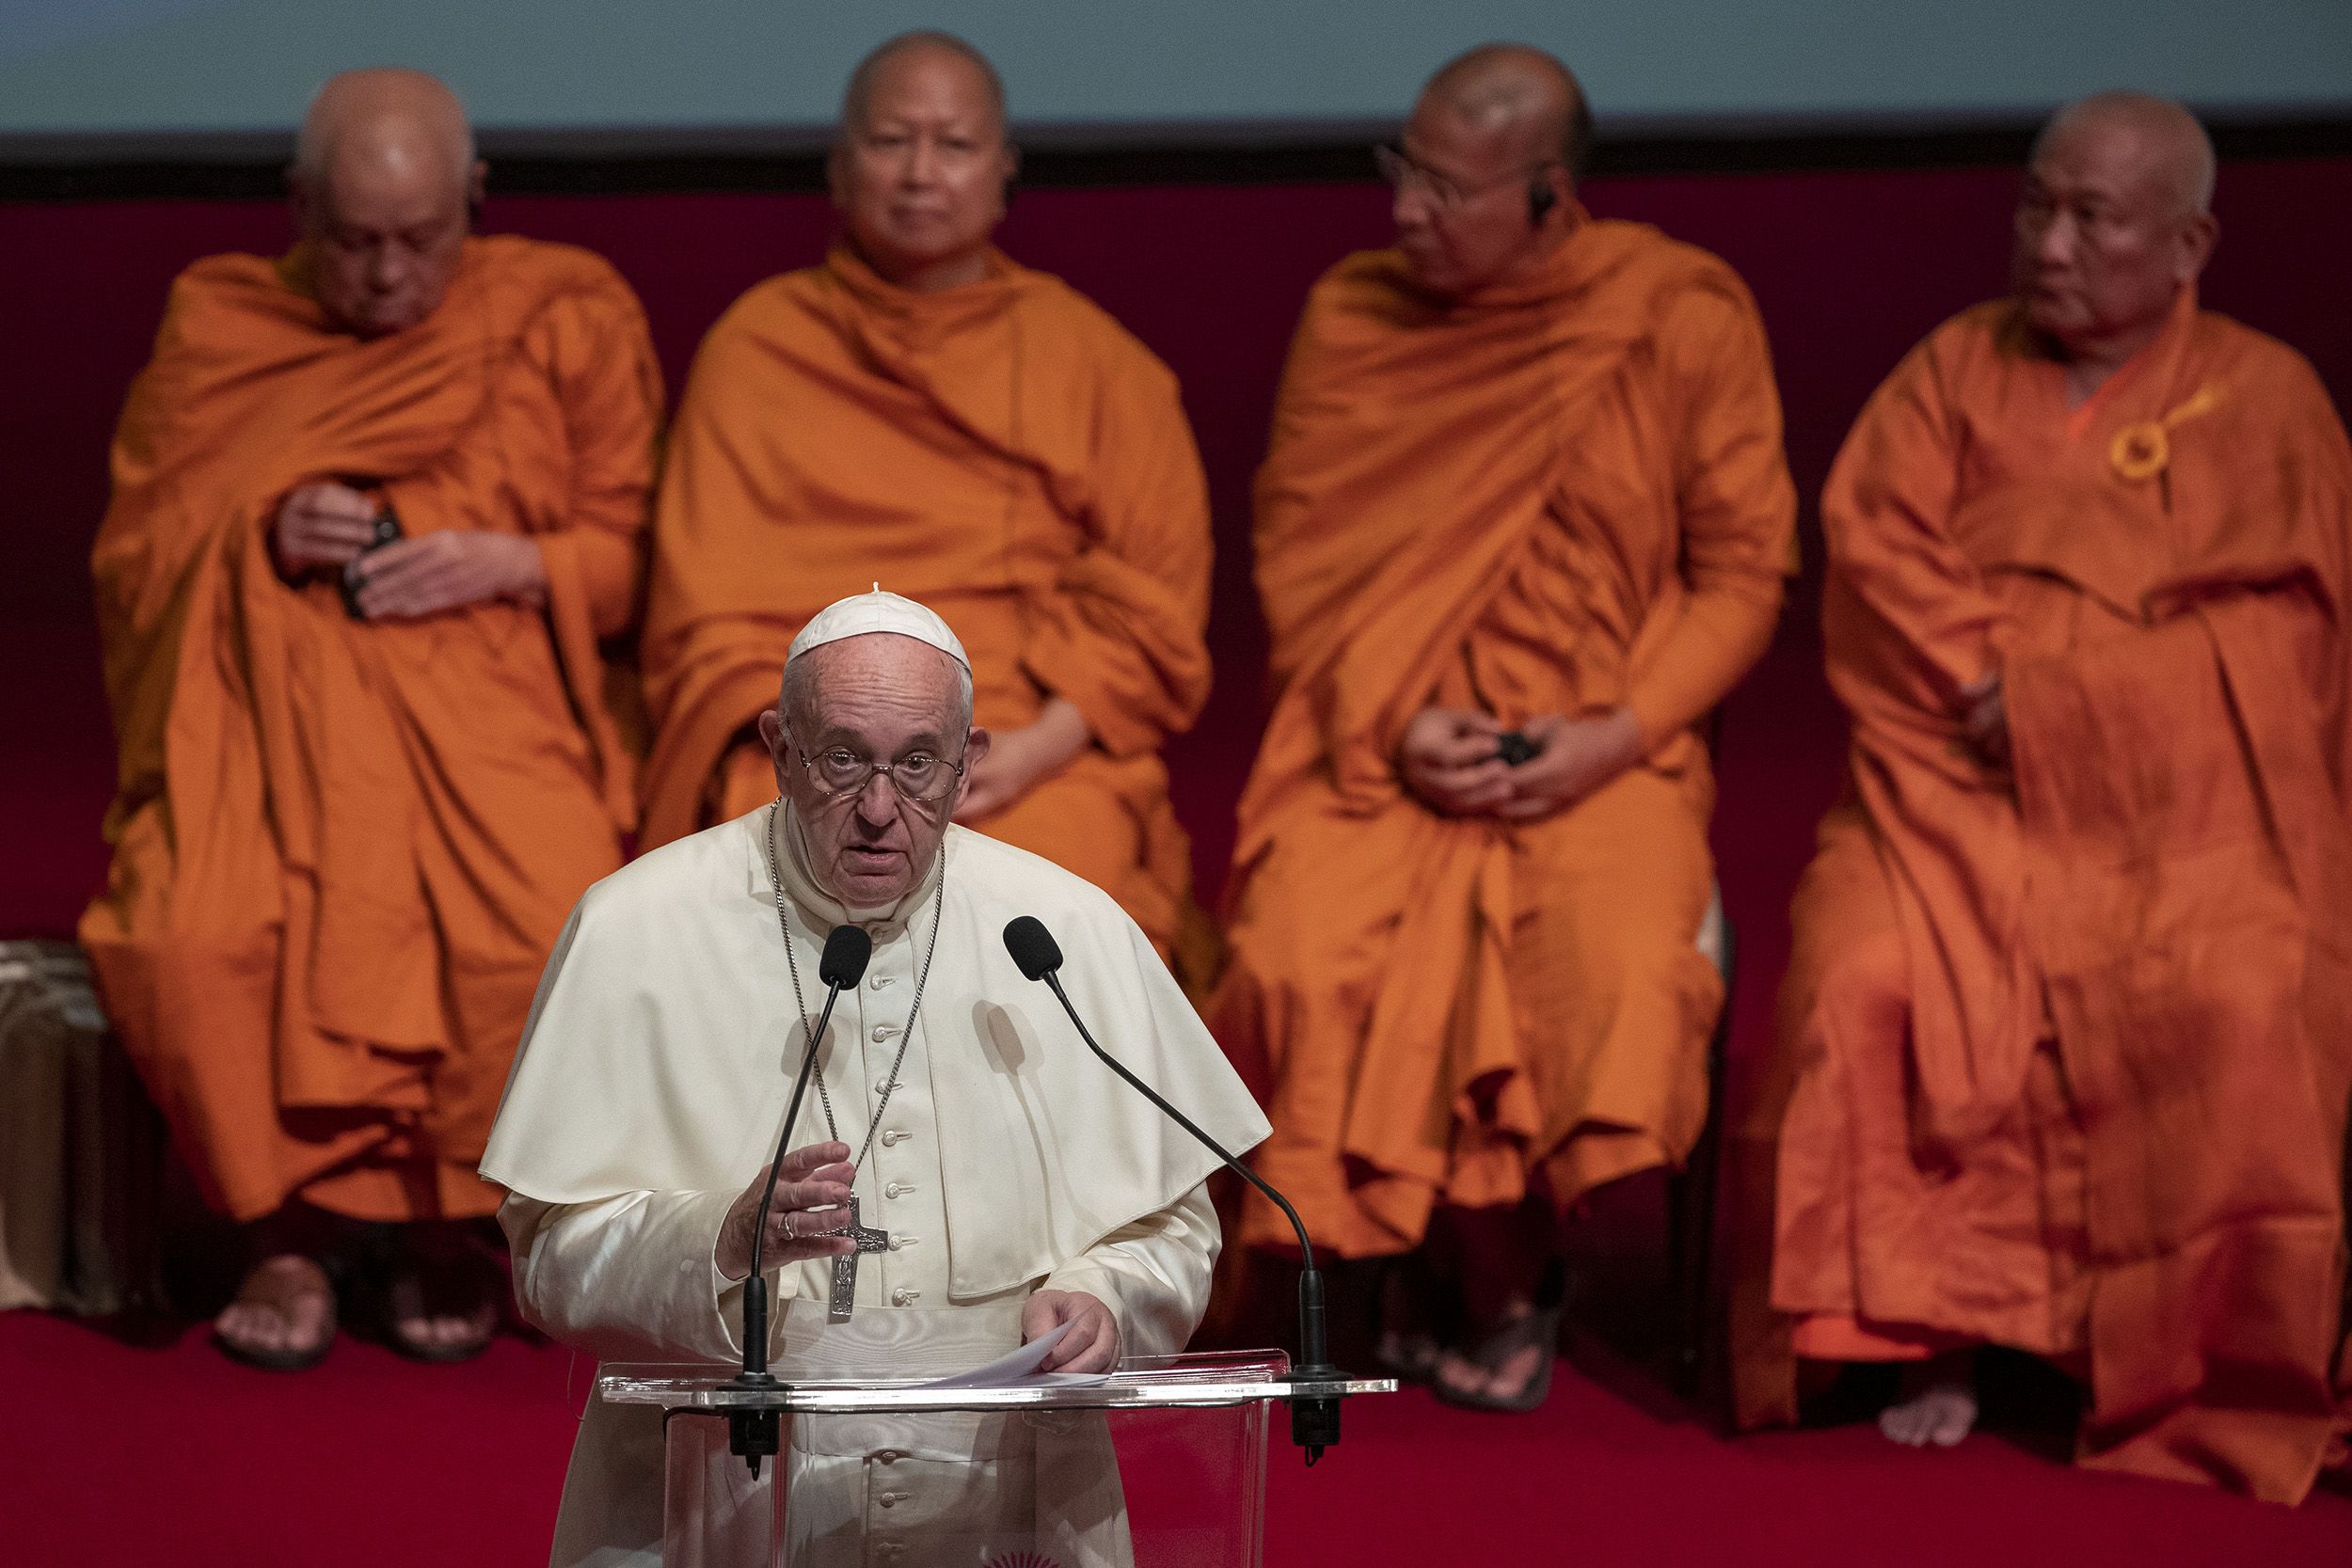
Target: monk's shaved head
column 403, row 119
column 2114, row 223
column 905, row 50
column 1486, row 167
column 1516, row 87
column 383, row 182
column 2164, row 138
column 920, row 162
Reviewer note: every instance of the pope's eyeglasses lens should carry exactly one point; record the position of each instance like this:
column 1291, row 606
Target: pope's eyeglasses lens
column 919, row 777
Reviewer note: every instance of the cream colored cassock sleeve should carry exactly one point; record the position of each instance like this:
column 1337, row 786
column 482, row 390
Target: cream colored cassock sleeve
column 632, row 1278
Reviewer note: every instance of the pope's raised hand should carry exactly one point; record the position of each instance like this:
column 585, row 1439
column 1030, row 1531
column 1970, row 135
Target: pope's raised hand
column 811, row 1190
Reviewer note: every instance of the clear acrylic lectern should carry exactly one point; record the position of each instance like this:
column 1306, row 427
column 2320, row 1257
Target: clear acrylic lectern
column 1160, row 1466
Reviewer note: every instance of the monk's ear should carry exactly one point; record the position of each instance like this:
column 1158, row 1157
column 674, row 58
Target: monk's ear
column 1013, row 174
column 2198, row 235
column 1552, row 192
column 838, row 175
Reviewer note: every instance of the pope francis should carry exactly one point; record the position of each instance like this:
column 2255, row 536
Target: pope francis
column 1020, row 1186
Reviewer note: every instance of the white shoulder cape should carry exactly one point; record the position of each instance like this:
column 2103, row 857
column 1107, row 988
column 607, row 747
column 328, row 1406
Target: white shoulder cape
column 661, row 1050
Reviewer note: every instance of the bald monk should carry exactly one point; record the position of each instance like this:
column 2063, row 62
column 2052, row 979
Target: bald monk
column 1524, row 523
column 361, row 784
column 2070, row 1020
column 920, row 410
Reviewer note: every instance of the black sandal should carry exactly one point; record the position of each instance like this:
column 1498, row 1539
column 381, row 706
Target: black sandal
column 1538, row 1328
column 289, row 1359
column 461, row 1282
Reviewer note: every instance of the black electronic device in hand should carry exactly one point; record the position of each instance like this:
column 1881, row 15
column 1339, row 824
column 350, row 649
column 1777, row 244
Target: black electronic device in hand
column 387, row 529
column 1515, row 749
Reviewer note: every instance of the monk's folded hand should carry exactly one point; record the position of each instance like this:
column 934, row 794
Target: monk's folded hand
column 1573, row 758
column 1092, row 1343
column 810, row 1190
column 1451, row 758
column 1985, row 725
column 433, row 572
column 320, row 527
column 1018, row 760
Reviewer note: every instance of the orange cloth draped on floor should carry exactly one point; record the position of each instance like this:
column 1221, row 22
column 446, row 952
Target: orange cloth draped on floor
column 1004, row 453
column 342, row 851
column 2069, row 1060
column 1562, row 495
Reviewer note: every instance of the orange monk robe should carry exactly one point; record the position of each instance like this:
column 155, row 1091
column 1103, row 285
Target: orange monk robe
column 1004, row 453
column 1561, row 495
column 2071, row 1057
column 342, row 851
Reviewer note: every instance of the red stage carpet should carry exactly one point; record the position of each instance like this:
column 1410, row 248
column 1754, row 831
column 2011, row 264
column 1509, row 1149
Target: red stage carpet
column 115, row 1455
column 174, row 1456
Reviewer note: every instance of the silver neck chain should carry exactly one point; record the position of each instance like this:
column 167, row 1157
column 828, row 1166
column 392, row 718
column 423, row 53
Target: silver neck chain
column 906, row 1036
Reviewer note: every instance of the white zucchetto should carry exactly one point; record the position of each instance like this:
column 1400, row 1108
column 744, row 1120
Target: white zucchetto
column 861, row 614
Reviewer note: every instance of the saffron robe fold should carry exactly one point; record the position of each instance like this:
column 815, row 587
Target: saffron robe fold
column 651, row 1089
column 2069, row 1050
column 1004, row 453
column 1564, row 495
column 343, row 849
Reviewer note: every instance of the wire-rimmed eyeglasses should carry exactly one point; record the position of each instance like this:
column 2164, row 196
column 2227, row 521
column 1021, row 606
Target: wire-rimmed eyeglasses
column 1403, row 171
column 919, row 776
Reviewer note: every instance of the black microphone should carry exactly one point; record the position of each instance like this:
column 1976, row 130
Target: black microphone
column 1315, row 1422
column 754, row 1434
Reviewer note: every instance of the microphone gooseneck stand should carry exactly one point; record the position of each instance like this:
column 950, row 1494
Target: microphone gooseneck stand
column 754, row 1435
column 1314, row 1419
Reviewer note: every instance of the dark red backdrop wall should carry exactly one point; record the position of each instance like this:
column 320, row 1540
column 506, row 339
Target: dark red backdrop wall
column 1850, row 267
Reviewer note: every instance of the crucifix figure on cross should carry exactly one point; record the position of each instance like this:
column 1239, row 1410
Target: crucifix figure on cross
column 845, row 1266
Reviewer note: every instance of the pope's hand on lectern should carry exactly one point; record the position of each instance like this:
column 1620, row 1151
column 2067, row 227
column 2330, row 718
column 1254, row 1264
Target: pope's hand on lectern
column 1092, row 1343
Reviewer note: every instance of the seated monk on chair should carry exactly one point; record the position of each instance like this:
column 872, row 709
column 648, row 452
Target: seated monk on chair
column 375, row 502
column 2068, row 1033
column 1523, row 525
column 920, row 410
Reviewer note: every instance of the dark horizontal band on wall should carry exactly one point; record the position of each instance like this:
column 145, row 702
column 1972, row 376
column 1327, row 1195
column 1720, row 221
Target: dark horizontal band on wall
column 111, row 167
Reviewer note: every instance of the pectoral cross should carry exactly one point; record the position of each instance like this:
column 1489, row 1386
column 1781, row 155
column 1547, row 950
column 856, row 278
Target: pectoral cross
column 845, row 1266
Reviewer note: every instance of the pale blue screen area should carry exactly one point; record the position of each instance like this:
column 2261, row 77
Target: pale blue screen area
column 234, row 65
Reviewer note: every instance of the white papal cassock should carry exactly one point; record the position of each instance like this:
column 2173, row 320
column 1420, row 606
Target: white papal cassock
column 649, row 1091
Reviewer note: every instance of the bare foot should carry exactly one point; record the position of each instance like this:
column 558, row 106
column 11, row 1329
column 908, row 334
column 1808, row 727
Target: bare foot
column 442, row 1299
column 283, row 1317
column 1938, row 1404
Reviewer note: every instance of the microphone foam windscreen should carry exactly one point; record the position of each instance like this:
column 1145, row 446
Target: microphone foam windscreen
column 1034, row 951
column 847, row 948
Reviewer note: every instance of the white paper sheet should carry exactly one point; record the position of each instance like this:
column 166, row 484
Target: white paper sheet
column 1020, row 1369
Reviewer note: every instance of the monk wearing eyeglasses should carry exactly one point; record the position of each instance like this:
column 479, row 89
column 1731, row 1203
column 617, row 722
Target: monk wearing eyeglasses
column 1523, row 524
